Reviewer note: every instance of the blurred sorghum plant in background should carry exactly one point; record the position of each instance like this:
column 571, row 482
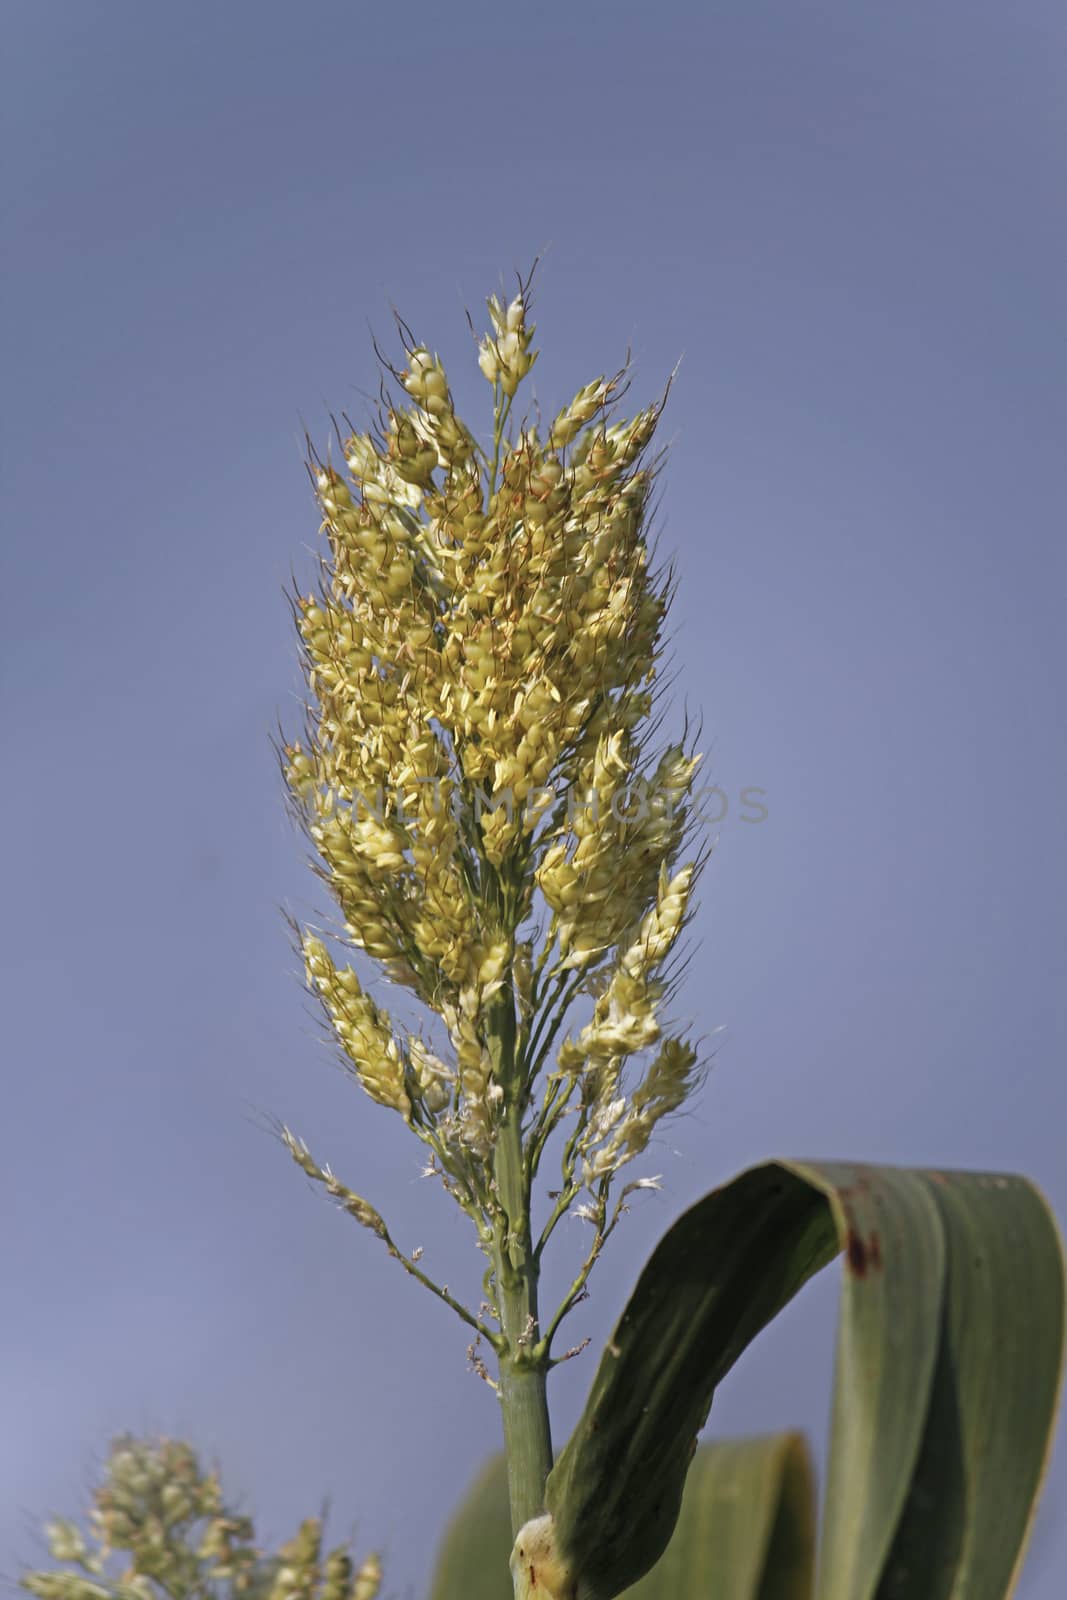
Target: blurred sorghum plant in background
column 160, row 1529
column 480, row 781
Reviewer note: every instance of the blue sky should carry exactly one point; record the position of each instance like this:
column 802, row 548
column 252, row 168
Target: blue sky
column 848, row 221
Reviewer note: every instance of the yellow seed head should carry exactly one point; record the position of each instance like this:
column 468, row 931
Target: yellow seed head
column 475, row 775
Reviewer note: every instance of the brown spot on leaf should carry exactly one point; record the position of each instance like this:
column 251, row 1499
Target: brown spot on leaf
column 857, row 1254
column 864, row 1255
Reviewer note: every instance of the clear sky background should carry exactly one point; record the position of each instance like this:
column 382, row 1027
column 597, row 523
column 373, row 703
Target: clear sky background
column 849, row 221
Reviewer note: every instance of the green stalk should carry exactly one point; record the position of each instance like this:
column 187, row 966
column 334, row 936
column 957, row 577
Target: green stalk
column 524, row 1365
column 524, row 1360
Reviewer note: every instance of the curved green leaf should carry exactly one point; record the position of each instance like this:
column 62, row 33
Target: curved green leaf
column 746, row 1530
column 719, row 1275
column 889, row 1333
column 974, row 1488
column 949, row 1357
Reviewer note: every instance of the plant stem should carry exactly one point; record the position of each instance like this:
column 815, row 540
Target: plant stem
column 523, row 1359
column 523, row 1363
column 527, row 1441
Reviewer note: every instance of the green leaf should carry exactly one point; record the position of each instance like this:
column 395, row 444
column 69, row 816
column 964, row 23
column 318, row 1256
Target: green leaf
column 472, row 1563
column 949, row 1360
column 988, row 1430
column 720, row 1274
column 746, row 1530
